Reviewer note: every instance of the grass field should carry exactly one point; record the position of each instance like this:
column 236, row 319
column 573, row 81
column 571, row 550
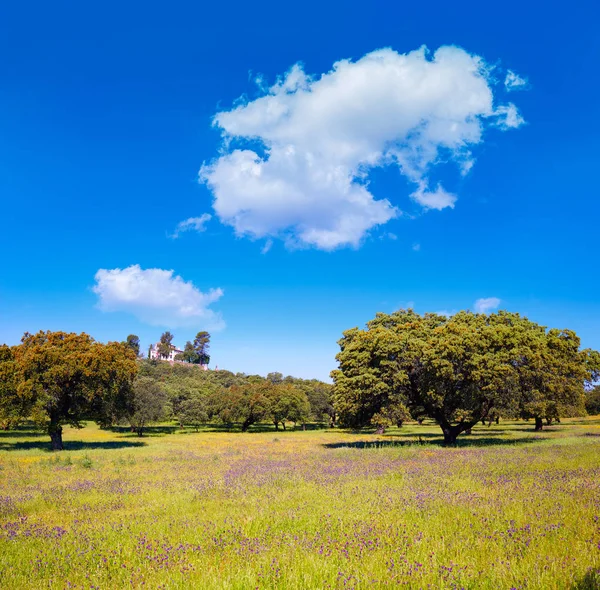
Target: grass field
column 507, row 508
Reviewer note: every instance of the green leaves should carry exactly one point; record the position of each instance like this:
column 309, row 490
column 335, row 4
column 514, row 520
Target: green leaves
column 65, row 378
column 458, row 370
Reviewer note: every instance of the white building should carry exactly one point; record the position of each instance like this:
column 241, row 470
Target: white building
column 154, row 354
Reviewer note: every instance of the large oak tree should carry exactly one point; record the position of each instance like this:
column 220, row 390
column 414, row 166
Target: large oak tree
column 66, row 378
column 457, row 370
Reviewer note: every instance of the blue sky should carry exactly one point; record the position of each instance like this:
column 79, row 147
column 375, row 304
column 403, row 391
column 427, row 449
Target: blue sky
column 442, row 193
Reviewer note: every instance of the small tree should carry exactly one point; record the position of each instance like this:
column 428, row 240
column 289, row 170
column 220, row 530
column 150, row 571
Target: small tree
column 286, row 402
column 247, row 403
column 275, row 378
column 165, row 344
column 194, row 411
column 149, row 403
column 134, row 343
column 190, row 355
column 202, row 346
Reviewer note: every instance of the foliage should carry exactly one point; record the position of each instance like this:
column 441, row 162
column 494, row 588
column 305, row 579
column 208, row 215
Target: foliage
column 592, row 401
column 242, row 399
column 457, row 370
column 64, row 378
column 194, row 411
column 164, row 345
column 11, row 404
column 287, row 403
column 150, row 404
column 134, row 343
column 201, row 347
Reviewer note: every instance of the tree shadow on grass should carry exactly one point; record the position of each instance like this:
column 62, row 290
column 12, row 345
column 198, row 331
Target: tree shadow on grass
column 148, row 430
column 21, row 434
column 71, row 445
column 431, row 439
column 590, row 581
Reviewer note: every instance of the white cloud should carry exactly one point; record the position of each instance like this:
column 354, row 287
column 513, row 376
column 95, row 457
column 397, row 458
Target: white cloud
column 438, row 199
column 486, row 304
column 294, row 162
column 416, row 247
column 514, row 81
column 445, row 313
column 508, row 117
column 193, row 223
column 267, row 246
column 157, row 297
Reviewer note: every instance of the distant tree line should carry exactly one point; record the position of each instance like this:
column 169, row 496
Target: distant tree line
column 460, row 370
column 195, row 397
column 456, row 370
column 58, row 378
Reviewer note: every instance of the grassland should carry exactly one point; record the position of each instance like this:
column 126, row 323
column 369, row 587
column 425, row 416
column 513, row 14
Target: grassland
column 506, row 508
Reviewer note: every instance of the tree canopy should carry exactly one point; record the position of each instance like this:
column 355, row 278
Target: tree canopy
column 134, row 343
column 150, row 403
column 457, row 370
column 201, row 347
column 65, row 378
column 164, row 345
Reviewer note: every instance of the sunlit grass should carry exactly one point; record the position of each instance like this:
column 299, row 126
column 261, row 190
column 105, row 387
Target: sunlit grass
column 317, row 509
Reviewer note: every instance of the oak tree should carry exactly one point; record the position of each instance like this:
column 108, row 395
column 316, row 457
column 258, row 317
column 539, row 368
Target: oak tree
column 64, row 378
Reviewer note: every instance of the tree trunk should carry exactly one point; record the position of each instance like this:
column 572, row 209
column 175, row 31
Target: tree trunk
column 451, row 432
column 420, row 421
column 468, row 431
column 140, row 431
column 283, row 424
column 549, row 421
column 539, row 424
column 497, row 419
column 380, row 430
column 55, row 432
column 303, row 426
column 276, row 425
column 246, row 425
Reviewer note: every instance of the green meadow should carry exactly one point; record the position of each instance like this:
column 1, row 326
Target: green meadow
column 506, row 508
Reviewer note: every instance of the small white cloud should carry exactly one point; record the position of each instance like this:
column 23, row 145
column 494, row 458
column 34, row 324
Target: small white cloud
column 486, row 304
column 157, row 297
column 438, row 199
column 294, row 163
column 192, row 224
column 508, row 117
column 514, row 81
column 267, row 246
column 416, row 247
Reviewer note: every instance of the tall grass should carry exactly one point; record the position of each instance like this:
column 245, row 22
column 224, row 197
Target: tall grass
column 506, row 508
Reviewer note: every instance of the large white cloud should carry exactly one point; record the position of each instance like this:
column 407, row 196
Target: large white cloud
column 157, row 297
column 294, row 162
